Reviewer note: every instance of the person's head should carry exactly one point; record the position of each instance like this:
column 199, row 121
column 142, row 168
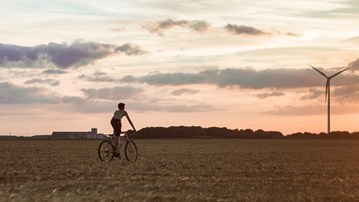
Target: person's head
column 121, row 105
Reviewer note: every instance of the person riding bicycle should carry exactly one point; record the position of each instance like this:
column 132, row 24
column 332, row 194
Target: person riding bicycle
column 116, row 124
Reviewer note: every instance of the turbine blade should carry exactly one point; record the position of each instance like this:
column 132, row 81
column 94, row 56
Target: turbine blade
column 319, row 71
column 338, row 73
column 326, row 90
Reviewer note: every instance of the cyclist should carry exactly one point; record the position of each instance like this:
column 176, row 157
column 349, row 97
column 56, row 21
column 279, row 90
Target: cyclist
column 116, row 124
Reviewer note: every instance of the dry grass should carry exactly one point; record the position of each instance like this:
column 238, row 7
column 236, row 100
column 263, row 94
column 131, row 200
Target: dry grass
column 182, row 170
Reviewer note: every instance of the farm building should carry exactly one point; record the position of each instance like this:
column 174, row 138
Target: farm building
column 78, row 135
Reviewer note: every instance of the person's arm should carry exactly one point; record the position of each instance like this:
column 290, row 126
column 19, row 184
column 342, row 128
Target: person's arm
column 129, row 120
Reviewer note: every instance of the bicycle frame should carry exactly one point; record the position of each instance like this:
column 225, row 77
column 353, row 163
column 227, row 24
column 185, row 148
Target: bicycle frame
column 125, row 137
column 130, row 149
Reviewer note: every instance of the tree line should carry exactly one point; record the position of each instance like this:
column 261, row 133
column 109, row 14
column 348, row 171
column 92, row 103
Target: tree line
column 218, row 132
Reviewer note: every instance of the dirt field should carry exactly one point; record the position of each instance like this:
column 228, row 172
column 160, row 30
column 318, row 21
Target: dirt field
column 182, row 170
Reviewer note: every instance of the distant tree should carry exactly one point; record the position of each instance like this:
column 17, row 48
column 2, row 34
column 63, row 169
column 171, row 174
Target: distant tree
column 339, row 135
column 305, row 135
column 222, row 132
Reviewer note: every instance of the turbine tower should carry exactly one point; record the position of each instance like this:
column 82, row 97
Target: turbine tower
column 327, row 90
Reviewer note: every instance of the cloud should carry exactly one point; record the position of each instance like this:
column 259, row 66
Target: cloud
column 298, row 110
column 354, row 65
column 189, row 108
column 126, row 92
column 50, row 82
column 271, row 94
column 54, row 71
column 249, row 78
column 202, row 26
column 343, row 94
column 130, row 49
column 162, row 26
column 109, row 105
column 12, row 94
column 347, row 94
column 115, row 93
column 61, row 55
column 242, row 29
column 101, row 106
column 76, row 54
column 184, row 91
column 313, row 93
column 13, row 53
column 91, row 106
column 346, row 90
column 199, row 26
column 292, row 34
column 98, row 77
column 245, row 78
column 73, row 99
column 168, row 107
column 307, row 110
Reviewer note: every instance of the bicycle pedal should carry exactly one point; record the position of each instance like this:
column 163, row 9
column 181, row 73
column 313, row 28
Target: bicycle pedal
column 117, row 155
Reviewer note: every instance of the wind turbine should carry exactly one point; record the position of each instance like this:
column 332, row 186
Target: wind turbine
column 327, row 90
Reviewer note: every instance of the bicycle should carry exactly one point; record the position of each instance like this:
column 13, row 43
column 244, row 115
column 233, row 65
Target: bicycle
column 106, row 149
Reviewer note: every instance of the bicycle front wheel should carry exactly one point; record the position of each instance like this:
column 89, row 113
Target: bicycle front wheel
column 106, row 151
column 131, row 151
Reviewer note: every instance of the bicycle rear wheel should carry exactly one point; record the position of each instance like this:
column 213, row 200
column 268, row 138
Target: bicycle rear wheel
column 131, row 151
column 106, row 151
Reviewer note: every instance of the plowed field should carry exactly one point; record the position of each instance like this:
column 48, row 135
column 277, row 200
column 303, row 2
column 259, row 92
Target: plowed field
column 182, row 170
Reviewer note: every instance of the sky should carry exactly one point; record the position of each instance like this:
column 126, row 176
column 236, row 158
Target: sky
column 65, row 65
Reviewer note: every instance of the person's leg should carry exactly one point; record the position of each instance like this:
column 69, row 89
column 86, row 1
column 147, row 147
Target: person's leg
column 116, row 143
column 119, row 126
column 116, row 132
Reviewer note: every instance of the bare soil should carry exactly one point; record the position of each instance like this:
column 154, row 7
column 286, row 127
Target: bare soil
column 182, row 170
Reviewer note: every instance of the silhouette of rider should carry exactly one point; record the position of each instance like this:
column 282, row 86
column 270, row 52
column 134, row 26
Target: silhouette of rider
column 116, row 124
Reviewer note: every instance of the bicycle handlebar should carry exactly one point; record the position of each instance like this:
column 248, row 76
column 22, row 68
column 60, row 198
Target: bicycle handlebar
column 128, row 131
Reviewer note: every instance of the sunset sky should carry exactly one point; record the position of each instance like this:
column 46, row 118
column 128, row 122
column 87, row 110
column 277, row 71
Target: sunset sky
column 64, row 65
